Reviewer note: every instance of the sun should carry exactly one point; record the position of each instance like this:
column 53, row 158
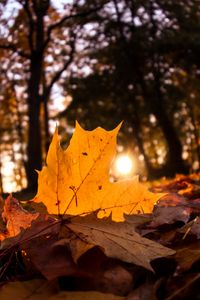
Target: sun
column 124, row 164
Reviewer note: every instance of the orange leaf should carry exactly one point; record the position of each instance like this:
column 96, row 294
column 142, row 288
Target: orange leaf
column 15, row 218
column 76, row 180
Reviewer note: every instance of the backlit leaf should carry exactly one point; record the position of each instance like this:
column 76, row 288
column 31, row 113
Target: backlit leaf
column 76, row 180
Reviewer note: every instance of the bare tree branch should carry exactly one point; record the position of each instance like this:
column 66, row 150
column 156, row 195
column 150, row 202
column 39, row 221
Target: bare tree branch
column 64, row 67
column 14, row 48
column 66, row 18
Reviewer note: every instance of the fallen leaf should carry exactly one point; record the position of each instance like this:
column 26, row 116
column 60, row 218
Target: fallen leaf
column 39, row 289
column 115, row 280
column 39, row 227
column 195, row 206
column 170, row 209
column 172, row 199
column 76, row 180
column 117, row 239
column 85, row 296
column 50, row 259
column 185, row 185
column 169, row 215
column 36, row 289
column 188, row 255
column 143, row 292
column 15, row 218
column 138, row 220
column 78, row 247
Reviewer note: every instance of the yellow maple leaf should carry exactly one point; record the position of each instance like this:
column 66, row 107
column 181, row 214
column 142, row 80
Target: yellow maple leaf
column 76, row 180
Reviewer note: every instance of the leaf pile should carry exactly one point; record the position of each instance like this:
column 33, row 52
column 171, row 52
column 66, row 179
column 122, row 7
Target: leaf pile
column 83, row 237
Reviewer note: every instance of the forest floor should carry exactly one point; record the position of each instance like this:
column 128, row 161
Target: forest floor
column 174, row 223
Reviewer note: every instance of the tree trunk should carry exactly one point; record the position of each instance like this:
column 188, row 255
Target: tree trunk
column 175, row 163
column 34, row 152
column 137, row 132
column 46, row 124
column 34, row 149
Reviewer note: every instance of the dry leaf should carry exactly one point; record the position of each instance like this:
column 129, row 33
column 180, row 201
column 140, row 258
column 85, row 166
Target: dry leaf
column 118, row 240
column 76, row 180
column 143, row 292
column 169, row 215
column 49, row 259
column 85, row 296
column 188, row 255
column 15, row 218
column 115, row 280
column 39, row 227
column 39, row 289
column 36, row 289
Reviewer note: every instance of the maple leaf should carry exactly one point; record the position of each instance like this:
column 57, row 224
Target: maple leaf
column 117, row 239
column 15, row 218
column 76, row 180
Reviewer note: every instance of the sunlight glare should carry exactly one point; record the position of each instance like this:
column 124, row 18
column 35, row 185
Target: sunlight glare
column 124, row 164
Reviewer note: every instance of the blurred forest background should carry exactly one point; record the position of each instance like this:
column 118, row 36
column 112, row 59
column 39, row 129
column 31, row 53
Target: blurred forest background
column 99, row 62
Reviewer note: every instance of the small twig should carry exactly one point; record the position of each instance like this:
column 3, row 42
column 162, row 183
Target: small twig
column 61, row 22
column 179, row 291
column 7, row 264
column 189, row 228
